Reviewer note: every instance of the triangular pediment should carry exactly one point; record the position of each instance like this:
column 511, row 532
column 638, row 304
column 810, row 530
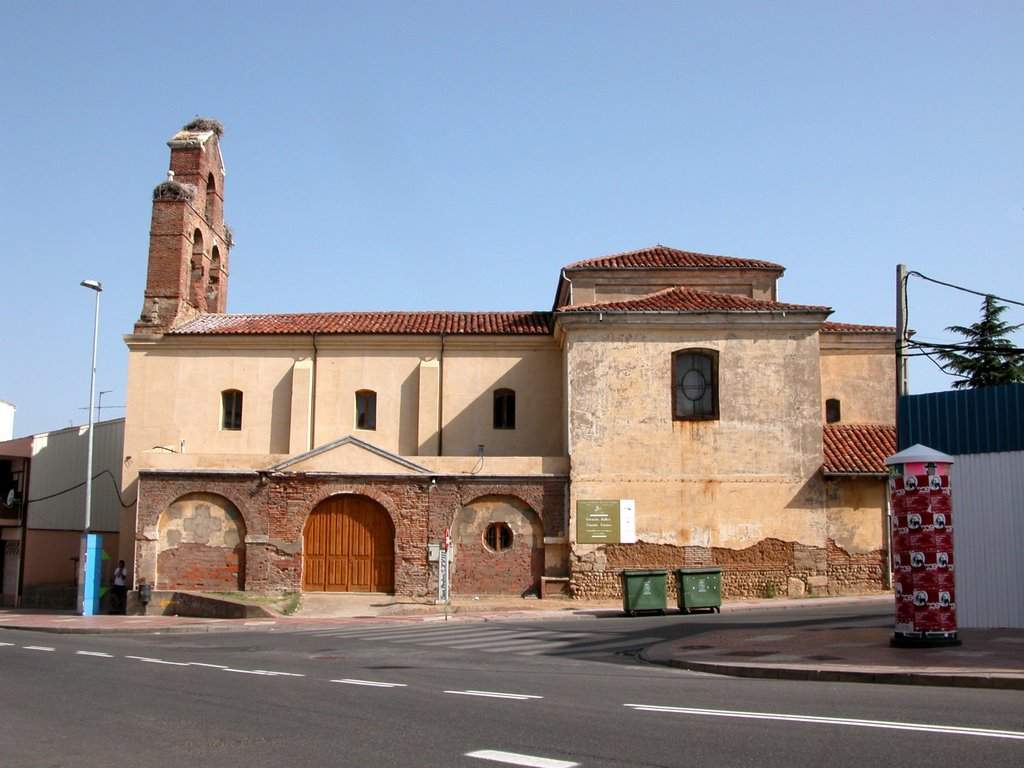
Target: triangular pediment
column 349, row 456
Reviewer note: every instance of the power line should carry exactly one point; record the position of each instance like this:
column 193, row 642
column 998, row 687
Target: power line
column 106, row 472
column 915, row 273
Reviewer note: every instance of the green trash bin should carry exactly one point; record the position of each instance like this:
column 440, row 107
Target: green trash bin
column 699, row 588
column 644, row 591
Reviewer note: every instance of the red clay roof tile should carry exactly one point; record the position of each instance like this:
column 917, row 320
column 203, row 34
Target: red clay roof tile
column 830, row 327
column 397, row 323
column 691, row 300
column 663, row 257
column 857, row 448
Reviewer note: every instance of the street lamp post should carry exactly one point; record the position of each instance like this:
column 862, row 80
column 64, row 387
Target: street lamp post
column 89, row 560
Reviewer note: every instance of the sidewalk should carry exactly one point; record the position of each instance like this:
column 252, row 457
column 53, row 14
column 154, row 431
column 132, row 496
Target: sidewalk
column 831, row 652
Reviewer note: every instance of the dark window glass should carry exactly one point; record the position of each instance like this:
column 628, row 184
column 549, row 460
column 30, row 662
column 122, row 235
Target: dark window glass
column 833, row 410
column 695, row 384
column 231, row 409
column 504, row 409
column 366, row 409
column 498, row 537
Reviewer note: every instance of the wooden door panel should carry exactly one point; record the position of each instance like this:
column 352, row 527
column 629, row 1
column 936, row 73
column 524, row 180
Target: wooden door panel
column 348, row 546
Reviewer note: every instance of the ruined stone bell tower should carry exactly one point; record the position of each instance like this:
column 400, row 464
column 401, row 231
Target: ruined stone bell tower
column 188, row 241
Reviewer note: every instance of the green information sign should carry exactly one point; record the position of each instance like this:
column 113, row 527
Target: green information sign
column 597, row 522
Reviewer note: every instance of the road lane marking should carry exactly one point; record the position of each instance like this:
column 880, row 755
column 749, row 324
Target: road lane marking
column 371, row 683
column 265, row 672
column 496, row 695
column 211, row 666
column 512, row 758
column 883, row 724
column 37, row 648
column 100, row 654
column 6, row 644
column 150, row 660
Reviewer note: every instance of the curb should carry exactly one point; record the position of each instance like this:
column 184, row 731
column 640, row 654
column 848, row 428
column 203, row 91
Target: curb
column 172, row 630
column 818, row 674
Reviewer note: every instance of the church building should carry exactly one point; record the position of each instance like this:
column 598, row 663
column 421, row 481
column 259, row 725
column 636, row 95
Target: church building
column 667, row 411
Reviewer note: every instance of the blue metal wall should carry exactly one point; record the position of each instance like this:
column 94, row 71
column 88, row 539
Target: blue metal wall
column 986, row 420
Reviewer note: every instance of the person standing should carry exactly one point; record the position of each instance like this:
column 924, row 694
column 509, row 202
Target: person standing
column 120, row 589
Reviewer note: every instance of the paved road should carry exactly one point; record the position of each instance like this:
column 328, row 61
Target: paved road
column 550, row 693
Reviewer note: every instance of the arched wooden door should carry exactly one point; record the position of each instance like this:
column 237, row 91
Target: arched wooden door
column 348, row 546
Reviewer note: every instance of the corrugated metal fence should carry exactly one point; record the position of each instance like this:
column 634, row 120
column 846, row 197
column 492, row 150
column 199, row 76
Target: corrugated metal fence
column 983, row 420
column 988, row 524
column 984, row 430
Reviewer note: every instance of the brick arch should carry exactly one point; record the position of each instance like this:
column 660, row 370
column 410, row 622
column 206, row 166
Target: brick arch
column 201, row 544
column 156, row 497
column 368, row 491
column 481, row 569
column 476, row 494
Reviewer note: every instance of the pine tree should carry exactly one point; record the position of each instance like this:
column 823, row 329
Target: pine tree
column 987, row 356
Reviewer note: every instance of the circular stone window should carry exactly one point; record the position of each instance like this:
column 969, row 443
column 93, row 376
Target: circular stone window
column 498, row 537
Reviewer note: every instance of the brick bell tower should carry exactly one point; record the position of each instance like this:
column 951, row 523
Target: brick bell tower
column 188, row 240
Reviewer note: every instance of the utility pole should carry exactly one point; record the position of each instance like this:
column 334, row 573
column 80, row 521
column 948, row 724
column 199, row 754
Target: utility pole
column 901, row 331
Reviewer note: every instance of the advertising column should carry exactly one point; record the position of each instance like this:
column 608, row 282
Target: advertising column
column 922, row 548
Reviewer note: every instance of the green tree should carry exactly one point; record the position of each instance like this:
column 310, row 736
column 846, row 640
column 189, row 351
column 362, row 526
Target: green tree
column 987, row 356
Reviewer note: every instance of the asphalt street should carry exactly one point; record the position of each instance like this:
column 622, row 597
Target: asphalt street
column 547, row 693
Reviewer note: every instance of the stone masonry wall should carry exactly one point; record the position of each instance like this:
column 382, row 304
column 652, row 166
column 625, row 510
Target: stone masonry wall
column 274, row 511
column 769, row 568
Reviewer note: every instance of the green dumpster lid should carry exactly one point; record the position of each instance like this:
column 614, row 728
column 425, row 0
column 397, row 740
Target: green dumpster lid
column 698, row 570
column 645, row 572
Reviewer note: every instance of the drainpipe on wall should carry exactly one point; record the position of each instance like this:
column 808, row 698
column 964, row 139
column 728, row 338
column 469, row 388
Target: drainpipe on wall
column 888, row 537
column 312, row 405
column 440, row 400
column 23, row 544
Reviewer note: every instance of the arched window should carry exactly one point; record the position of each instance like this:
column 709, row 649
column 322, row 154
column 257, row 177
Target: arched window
column 211, row 194
column 231, row 409
column 197, row 256
column 695, row 384
column 366, row 409
column 504, row 409
column 833, row 410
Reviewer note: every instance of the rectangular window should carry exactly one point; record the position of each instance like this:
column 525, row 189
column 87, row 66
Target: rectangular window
column 695, row 384
column 231, row 409
column 504, row 409
column 366, row 409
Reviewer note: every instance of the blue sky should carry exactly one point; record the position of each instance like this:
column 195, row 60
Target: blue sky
column 455, row 155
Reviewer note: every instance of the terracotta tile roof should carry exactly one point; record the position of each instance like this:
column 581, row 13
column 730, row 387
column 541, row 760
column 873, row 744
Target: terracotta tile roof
column 397, row 323
column 829, row 327
column 690, row 300
column 858, row 448
column 663, row 257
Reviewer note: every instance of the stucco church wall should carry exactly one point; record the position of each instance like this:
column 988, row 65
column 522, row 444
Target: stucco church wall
column 616, row 285
column 862, row 379
column 702, row 489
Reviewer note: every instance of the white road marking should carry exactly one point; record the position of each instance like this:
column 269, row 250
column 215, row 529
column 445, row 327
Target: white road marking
column 883, row 724
column 265, row 672
column 211, row 666
column 37, row 648
column 7, row 644
column 372, row 683
column 512, row 758
column 100, row 654
column 496, row 695
column 149, row 660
